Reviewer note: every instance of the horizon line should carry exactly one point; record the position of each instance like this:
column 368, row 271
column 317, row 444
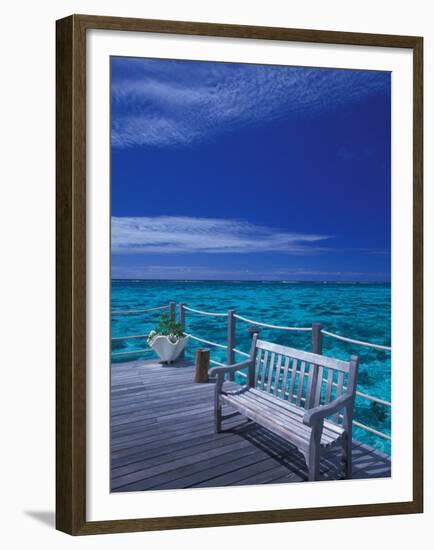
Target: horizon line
column 322, row 281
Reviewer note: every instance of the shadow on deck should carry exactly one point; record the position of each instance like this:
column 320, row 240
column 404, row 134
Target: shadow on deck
column 162, row 437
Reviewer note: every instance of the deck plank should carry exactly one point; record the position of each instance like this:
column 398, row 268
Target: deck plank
column 162, row 437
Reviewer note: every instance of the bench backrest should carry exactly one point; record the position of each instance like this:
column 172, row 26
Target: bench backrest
column 303, row 378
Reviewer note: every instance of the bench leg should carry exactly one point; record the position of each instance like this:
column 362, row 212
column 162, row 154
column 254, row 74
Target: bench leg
column 313, row 464
column 218, row 416
column 218, row 404
column 312, row 456
column 347, row 458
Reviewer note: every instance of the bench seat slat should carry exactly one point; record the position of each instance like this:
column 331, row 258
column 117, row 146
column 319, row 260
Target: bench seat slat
column 264, row 369
column 339, row 391
column 270, row 372
column 319, row 384
column 300, row 383
column 277, row 377
column 292, row 382
column 277, row 402
column 287, row 430
column 258, row 364
column 330, row 431
column 285, row 375
column 290, row 422
column 329, row 386
column 270, row 412
column 253, row 412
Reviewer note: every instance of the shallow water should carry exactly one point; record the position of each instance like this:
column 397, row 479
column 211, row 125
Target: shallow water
column 356, row 310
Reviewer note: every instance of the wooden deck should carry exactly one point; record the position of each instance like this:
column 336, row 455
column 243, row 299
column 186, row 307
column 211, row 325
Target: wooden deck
column 162, row 437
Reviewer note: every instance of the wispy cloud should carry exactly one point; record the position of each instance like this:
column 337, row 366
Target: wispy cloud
column 174, row 235
column 168, row 103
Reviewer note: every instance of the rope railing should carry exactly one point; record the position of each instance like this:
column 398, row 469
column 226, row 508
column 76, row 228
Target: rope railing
column 231, row 349
column 213, row 362
column 257, row 323
column 214, row 344
column 266, row 325
column 210, row 313
column 372, row 430
column 374, row 399
column 135, row 311
column 146, row 350
column 241, row 352
column 130, row 337
column 358, row 342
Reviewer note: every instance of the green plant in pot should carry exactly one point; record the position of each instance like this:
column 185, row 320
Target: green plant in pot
column 168, row 339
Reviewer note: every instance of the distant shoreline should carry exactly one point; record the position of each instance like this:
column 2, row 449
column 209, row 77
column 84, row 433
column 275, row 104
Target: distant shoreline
column 262, row 281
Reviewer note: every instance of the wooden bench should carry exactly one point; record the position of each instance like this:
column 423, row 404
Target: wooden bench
column 305, row 398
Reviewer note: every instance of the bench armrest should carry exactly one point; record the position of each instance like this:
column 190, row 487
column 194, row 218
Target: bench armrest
column 220, row 371
column 318, row 414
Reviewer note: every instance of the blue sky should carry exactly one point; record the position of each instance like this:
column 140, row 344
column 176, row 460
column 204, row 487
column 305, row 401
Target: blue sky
column 239, row 171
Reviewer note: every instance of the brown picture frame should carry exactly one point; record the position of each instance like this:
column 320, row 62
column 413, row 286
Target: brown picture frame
column 71, row 274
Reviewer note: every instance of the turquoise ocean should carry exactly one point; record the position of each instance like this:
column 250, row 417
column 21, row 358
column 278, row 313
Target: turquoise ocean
column 355, row 310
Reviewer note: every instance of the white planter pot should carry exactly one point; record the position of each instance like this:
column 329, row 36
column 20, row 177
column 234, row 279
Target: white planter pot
column 168, row 351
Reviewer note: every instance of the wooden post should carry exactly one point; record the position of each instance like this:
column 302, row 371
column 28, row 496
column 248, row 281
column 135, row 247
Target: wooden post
column 182, row 316
column 182, row 323
column 172, row 306
column 202, row 365
column 254, row 332
column 231, row 341
column 315, row 385
column 254, row 329
column 317, row 338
